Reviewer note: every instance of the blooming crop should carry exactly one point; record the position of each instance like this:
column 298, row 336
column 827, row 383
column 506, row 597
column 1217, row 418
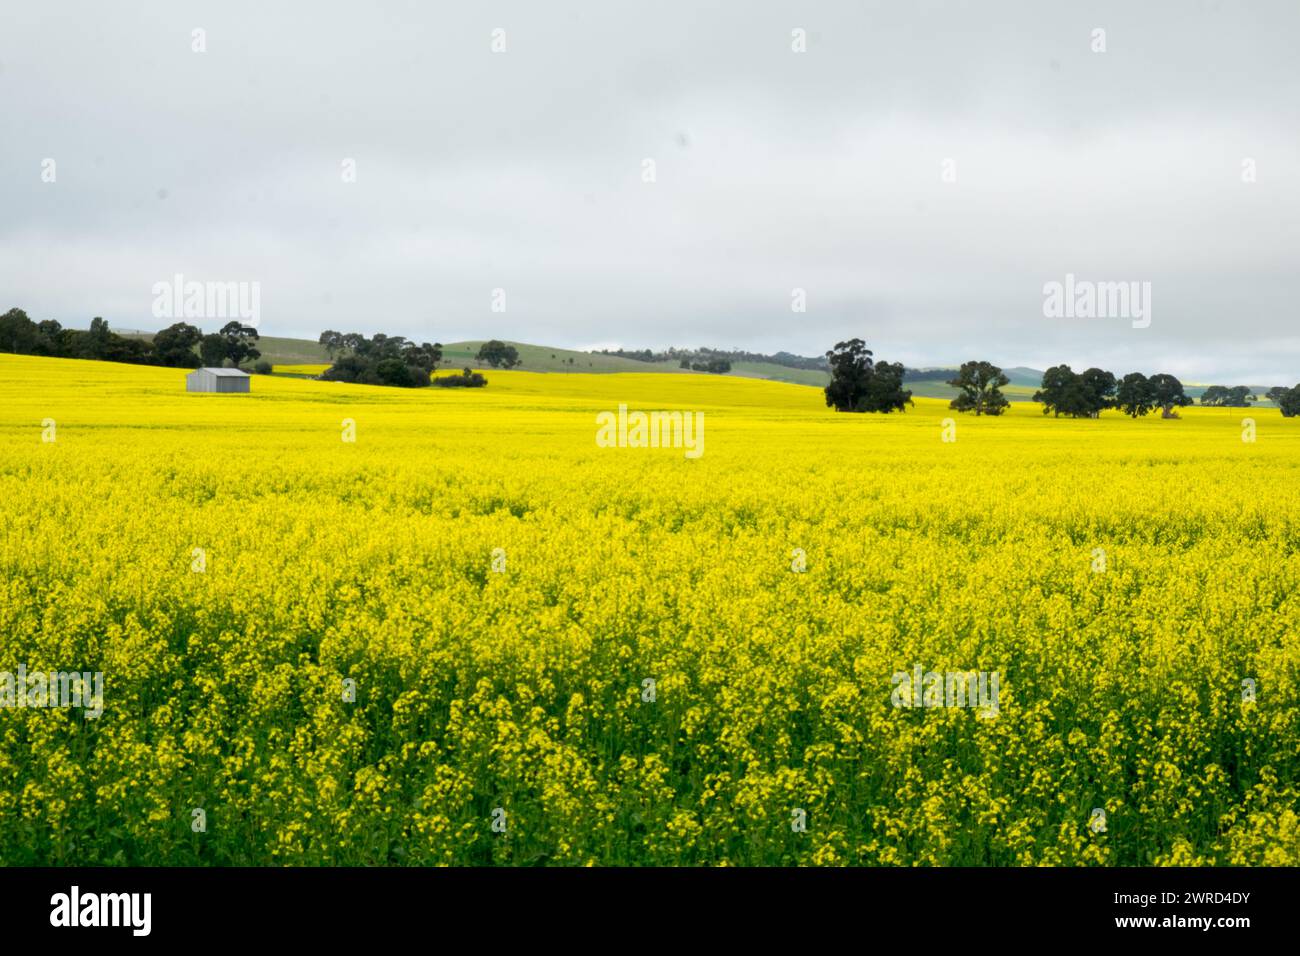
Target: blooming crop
column 470, row 635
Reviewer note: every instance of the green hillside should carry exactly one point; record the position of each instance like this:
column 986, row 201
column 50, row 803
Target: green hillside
column 277, row 351
column 541, row 358
column 291, row 351
column 536, row 358
column 1019, row 375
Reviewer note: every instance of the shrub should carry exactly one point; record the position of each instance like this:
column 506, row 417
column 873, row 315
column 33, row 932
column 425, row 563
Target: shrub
column 466, row 379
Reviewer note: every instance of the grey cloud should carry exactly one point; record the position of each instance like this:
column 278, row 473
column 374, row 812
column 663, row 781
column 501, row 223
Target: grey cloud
column 774, row 171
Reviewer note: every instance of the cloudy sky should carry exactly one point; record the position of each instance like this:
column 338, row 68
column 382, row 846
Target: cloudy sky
column 774, row 170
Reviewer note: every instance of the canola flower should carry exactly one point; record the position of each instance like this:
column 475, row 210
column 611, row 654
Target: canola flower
column 431, row 644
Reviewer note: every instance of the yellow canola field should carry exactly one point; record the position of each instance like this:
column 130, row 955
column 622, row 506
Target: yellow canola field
column 472, row 636
column 300, row 369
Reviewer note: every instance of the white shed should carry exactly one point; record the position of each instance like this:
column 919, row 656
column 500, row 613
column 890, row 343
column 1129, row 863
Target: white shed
column 216, row 380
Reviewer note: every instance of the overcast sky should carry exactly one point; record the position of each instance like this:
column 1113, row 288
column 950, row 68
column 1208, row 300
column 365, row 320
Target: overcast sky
column 774, row 170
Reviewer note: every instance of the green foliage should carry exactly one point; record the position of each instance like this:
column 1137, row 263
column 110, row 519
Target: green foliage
column 692, row 358
column 1238, row 396
column 20, row 335
column 498, row 354
column 1168, row 394
column 212, row 350
column 980, row 384
column 1099, row 388
column 174, row 345
column 1135, row 396
column 240, row 343
column 1086, row 395
column 716, row 366
column 382, row 360
column 467, row 379
column 860, row 385
column 332, row 341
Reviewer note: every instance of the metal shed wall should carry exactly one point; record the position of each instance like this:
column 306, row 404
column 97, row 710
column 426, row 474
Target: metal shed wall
column 229, row 383
column 203, row 380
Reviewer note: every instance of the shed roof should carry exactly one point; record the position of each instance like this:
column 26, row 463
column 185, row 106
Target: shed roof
column 226, row 372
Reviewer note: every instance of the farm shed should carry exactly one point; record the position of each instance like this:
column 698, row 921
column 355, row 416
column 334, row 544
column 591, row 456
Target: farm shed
column 216, row 380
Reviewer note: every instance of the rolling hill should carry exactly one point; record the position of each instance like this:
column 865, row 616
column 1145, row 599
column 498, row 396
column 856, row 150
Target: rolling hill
column 1024, row 381
column 536, row 358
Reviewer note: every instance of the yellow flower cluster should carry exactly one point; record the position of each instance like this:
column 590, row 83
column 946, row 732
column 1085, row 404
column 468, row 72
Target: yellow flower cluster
column 359, row 625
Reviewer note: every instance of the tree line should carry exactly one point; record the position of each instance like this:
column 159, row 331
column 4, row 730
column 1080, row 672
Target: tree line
column 1287, row 399
column 178, row 346
column 713, row 360
column 398, row 361
column 1087, row 394
column 715, row 366
column 380, row 359
column 860, row 384
column 1237, row 396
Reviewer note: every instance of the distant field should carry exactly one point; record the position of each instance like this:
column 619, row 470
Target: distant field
column 1196, row 391
column 1014, row 393
column 275, row 350
column 543, row 358
column 283, row 353
column 291, row 351
column 303, row 357
column 305, row 370
column 780, row 373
